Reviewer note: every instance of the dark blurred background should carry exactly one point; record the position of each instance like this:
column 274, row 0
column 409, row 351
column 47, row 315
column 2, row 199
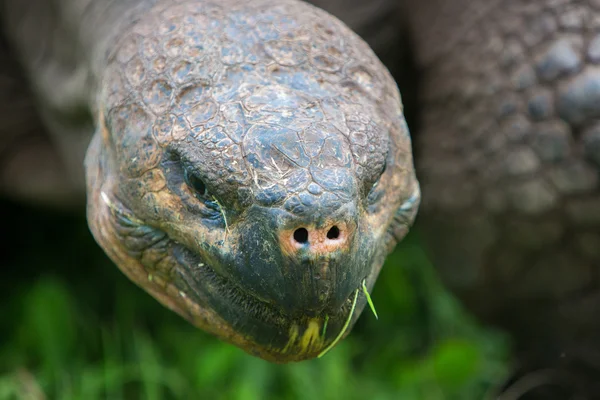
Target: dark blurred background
column 73, row 327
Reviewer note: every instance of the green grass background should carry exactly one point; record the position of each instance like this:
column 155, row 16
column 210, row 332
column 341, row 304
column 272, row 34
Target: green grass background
column 73, row 327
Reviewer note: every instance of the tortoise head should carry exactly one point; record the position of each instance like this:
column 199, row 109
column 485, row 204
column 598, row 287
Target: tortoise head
column 251, row 177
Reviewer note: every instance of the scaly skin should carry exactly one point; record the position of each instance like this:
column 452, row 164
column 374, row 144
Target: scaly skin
column 223, row 131
column 47, row 169
column 509, row 163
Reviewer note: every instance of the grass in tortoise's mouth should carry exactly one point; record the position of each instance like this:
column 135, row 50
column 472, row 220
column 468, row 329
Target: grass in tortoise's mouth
column 193, row 269
column 260, row 310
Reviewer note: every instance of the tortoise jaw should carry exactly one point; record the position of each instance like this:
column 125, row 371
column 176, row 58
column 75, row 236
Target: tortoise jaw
column 208, row 300
column 273, row 335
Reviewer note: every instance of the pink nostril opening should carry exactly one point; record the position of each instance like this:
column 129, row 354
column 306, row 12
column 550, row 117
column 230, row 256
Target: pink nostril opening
column 301, row 235
column 333, row 233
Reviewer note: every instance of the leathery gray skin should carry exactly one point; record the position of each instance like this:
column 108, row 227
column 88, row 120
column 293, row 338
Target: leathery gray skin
column 250, row 165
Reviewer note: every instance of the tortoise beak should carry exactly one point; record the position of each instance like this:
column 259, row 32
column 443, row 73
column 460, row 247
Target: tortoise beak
column 290, row 287
column 304, row 266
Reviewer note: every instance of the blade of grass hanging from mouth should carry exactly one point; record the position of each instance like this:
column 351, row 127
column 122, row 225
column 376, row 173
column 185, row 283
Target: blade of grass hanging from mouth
column 325, row 326
column 368, row 296
column 339, row 336
column 223, row 214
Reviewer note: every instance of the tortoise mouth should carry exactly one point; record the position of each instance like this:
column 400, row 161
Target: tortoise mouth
column 286, row 337
column 207, row 287
column 209, row 300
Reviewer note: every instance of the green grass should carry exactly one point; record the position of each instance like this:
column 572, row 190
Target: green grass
column 85, row 332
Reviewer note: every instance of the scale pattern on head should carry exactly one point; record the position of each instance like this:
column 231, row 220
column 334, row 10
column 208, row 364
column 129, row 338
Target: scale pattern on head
column 227, row 121
column 257, row 82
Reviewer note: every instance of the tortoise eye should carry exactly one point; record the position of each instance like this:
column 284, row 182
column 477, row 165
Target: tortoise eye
column 196, row 184
column 376, row 183
column 375, row 194
column 384, row 168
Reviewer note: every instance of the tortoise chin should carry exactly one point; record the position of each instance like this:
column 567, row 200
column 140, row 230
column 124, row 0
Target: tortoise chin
column 269, row 331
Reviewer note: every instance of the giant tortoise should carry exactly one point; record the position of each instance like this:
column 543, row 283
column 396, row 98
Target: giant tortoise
column 249, row 165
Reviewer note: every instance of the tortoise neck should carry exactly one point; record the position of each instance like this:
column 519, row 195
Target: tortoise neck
column 99, row 24
column 64, row 44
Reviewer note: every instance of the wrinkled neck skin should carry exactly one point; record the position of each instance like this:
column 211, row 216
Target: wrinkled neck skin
column 61, row 41
column 63, row 46
column 250, row 165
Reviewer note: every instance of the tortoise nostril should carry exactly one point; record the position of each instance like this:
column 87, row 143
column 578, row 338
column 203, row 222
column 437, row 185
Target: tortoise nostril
column 333, row 233
column 301, row 235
